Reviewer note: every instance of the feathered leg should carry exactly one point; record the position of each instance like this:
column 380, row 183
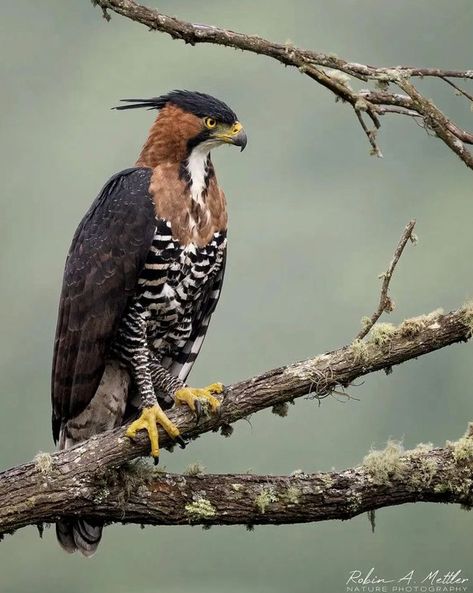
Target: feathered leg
column 131, row 346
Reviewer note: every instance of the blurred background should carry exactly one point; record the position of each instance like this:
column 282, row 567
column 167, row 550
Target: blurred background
column 313, row 220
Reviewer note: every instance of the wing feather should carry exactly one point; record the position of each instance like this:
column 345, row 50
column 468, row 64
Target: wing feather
column 107, row 254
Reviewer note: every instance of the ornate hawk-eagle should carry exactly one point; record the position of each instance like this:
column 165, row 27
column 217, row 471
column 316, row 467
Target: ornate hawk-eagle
column 141, row 281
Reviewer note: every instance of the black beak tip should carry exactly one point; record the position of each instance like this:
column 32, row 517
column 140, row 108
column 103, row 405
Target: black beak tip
column 242, row 141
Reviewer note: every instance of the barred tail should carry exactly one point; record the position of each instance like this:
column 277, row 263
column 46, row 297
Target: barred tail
column 83, row 535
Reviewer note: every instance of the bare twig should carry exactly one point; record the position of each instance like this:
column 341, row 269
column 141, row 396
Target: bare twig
column 385, row 302
column 370, row 134
column 328, row 70
column 459, row 90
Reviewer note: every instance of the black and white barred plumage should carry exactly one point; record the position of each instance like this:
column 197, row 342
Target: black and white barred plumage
column 178, row 290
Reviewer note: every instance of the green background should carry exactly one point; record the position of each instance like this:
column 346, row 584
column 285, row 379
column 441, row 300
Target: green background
column 313, row 221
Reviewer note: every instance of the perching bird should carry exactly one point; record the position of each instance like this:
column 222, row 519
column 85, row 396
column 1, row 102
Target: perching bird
column 141, row 281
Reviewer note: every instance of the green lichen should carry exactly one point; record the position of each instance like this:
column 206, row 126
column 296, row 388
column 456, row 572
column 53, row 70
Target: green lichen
column 381, row 334
column 359, row 349
column 467, row 316
column 410, row 328
column 354, row 501
column 423, row 448
column 442, row 487
column 126, row 479
column 385, row 465
column 426, row 470
column 298, row 473
column 340, row 77
column 265, row 498
column 462, row 450
column 30, row 502
column 201, row 508
column 458, row 482
column 326, row 479
column 292, row 495
column 195, row 469
column 43, row 462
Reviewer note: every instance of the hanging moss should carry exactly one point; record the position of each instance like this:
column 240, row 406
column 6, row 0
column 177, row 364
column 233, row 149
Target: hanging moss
column 386, row 465
column 280, row 409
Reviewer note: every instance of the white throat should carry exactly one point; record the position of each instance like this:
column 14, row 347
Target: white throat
column 197, row 167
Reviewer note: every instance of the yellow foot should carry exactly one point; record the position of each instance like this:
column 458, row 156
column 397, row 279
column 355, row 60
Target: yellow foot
column 198, row 398
column 149, row 419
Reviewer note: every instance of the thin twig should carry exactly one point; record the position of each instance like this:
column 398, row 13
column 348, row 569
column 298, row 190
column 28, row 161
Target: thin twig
column 371, row 134
column 385, row 302
column 329, row 71
column 457, row 88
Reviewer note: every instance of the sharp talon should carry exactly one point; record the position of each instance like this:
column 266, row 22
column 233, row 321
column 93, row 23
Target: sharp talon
column 200, row 400
column 149, row 420
column 181, row 442
column 198, row 409
column 156, row 460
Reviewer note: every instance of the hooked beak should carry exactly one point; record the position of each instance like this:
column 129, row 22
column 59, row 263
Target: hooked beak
column 234, row 135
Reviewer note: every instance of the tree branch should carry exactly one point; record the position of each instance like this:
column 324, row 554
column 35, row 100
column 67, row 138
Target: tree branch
column 70, row 481
column 330, row 71
column 94, row 478
column 137, row 493
column 386, row 304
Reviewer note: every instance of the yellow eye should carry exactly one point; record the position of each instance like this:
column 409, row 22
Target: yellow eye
column 210, row 122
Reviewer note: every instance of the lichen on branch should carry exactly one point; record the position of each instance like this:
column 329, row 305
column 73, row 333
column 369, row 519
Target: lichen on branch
column 85, row 478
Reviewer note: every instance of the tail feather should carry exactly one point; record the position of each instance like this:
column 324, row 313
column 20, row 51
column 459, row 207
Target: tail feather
column 83, row 535
column 65, row 537
column 104, row 412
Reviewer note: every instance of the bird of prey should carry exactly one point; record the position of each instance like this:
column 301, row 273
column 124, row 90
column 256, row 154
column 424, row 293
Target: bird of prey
column 141, row 281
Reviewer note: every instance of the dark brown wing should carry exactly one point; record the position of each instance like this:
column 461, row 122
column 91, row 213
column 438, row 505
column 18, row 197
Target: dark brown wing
column 107, row 254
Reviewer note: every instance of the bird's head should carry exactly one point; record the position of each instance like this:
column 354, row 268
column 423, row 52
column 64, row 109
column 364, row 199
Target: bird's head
column 187, row 121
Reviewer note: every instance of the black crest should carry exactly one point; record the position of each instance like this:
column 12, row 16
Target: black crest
column 199, row 104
